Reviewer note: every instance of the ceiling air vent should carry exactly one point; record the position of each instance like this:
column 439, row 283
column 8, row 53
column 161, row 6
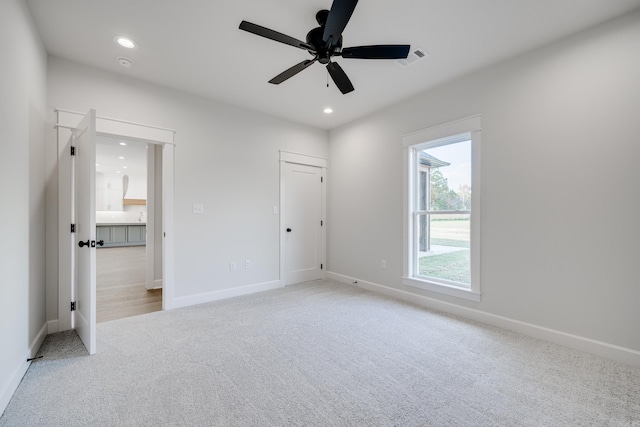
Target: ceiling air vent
column 414, row 56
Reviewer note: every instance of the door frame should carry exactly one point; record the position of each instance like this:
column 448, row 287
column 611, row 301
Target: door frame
column 307, row 160
column 67, row 120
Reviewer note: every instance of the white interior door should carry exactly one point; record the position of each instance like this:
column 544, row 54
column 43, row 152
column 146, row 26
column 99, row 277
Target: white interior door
column 85, row 220
column 303, row 223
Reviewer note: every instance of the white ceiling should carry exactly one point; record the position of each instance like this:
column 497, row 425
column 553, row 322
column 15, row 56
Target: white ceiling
column 109, row 152
column 196, row 46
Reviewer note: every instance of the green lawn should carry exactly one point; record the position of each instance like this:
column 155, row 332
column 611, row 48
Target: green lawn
column 453, row 266
column 454, row 229
column 451, row 242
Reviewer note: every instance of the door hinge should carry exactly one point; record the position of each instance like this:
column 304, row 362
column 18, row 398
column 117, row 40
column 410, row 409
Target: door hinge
column 73, row 228
column 321, row 179
column 73, row 150
column 321, row 266
column 73, row 306
column 321, row 223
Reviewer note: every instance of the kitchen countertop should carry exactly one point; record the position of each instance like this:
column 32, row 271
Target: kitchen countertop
column 101, row 224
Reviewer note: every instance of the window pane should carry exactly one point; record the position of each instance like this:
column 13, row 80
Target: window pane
column 448, row 175
column 444, row 247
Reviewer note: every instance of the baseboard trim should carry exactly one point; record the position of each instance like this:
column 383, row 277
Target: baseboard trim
column 156, row 284
column 223, row 294
column 587, row 345
column 12, row 386
column 53, row 326
column 38, row 340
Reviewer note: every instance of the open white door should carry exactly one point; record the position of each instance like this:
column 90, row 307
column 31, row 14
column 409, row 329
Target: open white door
column 76, row 193
column 85, row 225
column 303, row 221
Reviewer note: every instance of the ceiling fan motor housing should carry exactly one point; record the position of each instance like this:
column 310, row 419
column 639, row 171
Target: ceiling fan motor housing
column 321, row 17
column 322, row 51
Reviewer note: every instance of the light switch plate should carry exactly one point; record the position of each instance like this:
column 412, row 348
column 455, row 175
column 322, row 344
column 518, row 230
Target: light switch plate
column 198, row 208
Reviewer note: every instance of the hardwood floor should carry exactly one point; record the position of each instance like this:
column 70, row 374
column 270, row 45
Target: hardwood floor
column 120, row 284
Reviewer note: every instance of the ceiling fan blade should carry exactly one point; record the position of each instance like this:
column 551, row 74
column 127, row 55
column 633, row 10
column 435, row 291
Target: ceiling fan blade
column 339, row 77
column 388, row 51
column 274, row 35
column 285, row 75
column 339, row 15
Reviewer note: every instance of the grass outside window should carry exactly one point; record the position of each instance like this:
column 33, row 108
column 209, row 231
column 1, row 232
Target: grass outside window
column 449, row 254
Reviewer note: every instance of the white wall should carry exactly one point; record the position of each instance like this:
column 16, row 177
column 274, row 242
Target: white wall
column 22, row 258
column 226, row 158
column 560, row 164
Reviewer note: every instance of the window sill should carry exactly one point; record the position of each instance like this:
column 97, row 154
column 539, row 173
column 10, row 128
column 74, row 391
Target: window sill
column 441, row 288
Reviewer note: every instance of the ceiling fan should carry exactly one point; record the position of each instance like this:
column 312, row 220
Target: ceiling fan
column 325, row 42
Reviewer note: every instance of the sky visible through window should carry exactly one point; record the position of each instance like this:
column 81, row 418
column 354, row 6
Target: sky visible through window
column 459, row 155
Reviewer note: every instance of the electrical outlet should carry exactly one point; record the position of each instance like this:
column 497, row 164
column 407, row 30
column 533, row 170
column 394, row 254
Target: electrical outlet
column 233, row 266
column 198, row 208
column 383, row 264
column 247, row 264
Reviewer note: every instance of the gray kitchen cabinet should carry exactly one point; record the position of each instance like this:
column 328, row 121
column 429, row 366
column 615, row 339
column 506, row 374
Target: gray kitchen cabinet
column 119, row 233
column 104, row 234
column 136, row 234
column 122, row 234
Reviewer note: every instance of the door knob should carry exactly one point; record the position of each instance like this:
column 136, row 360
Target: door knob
column 100, row 242
column 82, row 244
column 288, row 230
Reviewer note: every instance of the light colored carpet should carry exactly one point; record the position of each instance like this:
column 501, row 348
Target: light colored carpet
column 318, row 354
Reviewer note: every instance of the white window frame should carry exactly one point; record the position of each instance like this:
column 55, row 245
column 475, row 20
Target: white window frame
column 447, row 133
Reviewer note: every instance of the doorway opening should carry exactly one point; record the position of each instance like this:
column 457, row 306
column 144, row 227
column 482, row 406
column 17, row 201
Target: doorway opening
column 77, row 239
column 127, row 281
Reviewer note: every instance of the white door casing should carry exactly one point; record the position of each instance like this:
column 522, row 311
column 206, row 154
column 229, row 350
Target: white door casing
column 70, row 121
column 153, row 248
column 85, row 230
column 302, row 218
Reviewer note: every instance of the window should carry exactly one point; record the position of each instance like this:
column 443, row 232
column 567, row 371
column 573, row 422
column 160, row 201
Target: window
column 442, row 209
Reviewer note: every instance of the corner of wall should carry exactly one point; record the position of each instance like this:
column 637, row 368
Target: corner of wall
column 586, row 345
column 16, row 377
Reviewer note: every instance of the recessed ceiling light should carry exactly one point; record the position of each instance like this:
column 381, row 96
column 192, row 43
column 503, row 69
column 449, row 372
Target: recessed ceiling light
column 121, row 158
column 328, row 110
column 125, row 42
column 123, row 143
column 125, row 167
column 125, row 62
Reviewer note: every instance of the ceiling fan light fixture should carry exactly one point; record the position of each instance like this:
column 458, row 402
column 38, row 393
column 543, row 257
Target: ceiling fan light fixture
column 125, row 42
column 328, row 110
